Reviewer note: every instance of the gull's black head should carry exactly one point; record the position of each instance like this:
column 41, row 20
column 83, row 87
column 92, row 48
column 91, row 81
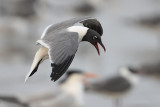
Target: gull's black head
column 93, row 24
column 93, row 37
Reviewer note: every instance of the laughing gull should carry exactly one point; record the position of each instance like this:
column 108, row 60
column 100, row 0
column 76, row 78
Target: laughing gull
column 116, row 86
column 70, row 93
column 60, row 43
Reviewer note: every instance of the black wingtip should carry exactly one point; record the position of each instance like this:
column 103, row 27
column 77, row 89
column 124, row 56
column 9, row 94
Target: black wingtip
column 55, row 77
column 53, row 80
column 59, row 70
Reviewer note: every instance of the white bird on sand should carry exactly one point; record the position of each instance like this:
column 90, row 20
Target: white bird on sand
column 60, row 43
column 69, row 94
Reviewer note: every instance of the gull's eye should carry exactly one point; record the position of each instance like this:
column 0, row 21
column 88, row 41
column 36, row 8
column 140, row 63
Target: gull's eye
column 95, row 37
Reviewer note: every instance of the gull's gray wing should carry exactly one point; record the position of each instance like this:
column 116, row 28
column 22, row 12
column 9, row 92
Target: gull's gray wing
column 62, row 48
column 87, row 21
column 62, row 25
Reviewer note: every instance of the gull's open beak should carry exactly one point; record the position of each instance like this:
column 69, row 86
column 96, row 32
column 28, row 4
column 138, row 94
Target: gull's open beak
column 96, row 46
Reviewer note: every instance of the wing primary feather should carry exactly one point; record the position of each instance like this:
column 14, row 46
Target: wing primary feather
column 66, row 66
column 60, row 55
column 62, row 58
column 59, row 70
column 61, row 52
column 56, row 66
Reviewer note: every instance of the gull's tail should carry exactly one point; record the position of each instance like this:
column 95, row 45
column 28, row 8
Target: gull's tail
column 40, row 56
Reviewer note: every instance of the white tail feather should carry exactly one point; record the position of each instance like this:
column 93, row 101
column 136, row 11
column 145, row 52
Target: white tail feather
column 41, row 54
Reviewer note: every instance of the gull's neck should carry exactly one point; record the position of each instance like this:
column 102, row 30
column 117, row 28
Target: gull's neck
column 81, row 30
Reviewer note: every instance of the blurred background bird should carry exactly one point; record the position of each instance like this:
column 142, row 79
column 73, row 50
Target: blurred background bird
column 151, row 70
column 117, row 86
column 71, row 93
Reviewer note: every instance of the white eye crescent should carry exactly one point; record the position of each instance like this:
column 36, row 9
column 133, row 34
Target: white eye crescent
column 95, row 37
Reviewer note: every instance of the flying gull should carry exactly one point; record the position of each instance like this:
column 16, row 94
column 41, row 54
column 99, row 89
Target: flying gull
column 60, row 42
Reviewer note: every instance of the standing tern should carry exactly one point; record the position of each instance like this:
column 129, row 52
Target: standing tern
column 71, row 91
column 60, row 43
column 116, row 86
column 69, row 94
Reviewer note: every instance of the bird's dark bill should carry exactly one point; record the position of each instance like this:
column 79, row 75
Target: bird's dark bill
column 96, row 46
column 103, row 46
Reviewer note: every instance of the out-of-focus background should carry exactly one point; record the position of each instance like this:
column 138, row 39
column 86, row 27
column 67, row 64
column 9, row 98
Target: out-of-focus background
column 131, row 36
